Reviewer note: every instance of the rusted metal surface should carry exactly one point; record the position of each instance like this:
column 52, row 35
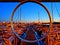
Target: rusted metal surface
column 8, row 40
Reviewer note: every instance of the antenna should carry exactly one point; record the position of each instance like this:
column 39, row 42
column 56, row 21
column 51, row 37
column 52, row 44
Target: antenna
column 52, row 11
column 38, row 18
column 20, row 14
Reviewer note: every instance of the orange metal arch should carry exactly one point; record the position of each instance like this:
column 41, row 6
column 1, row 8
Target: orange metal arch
column 11, row 19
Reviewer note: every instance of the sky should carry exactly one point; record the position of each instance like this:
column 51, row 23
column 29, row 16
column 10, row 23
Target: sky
column 29, row 11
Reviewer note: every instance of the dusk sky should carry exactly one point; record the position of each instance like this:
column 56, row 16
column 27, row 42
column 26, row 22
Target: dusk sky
column 29, row 11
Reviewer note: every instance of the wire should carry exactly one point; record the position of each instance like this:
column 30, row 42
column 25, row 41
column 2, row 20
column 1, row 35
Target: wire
column 57, row 10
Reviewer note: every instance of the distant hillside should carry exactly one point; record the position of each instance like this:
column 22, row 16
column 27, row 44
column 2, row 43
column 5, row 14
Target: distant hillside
column 53, row 22
column 56, row 22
